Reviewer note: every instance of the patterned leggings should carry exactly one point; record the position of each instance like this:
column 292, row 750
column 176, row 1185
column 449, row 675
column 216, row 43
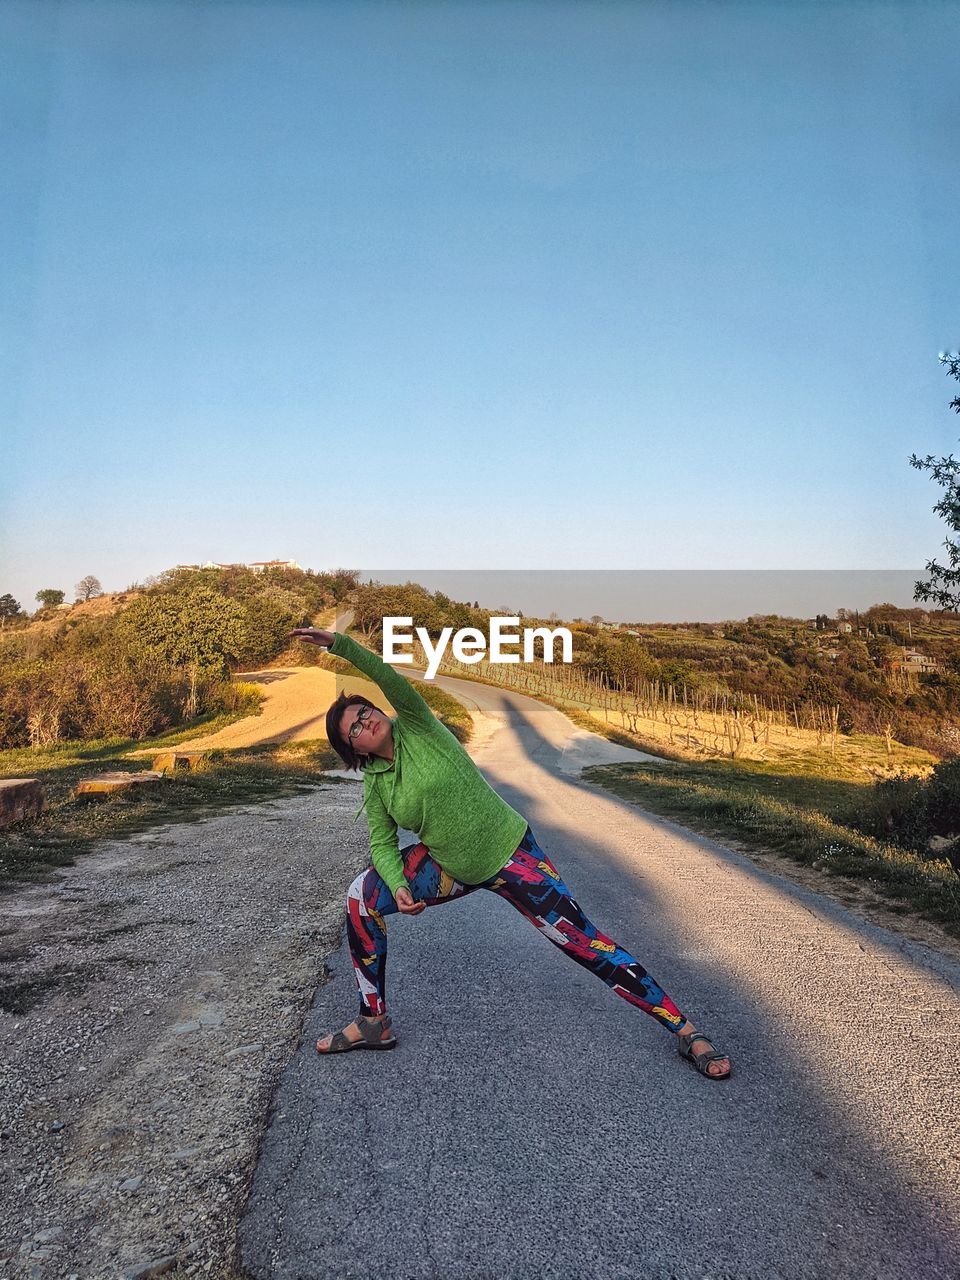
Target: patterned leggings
column 531, row 883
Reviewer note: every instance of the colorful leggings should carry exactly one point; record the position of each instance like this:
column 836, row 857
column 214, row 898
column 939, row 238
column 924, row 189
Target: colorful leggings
column 531, row 883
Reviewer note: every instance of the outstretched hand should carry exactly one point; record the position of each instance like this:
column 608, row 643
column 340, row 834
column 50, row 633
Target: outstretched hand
column 406, row 903
column 313, row 635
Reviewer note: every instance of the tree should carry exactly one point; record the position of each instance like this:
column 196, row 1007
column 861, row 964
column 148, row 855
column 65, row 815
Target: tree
column 943, row 585
column 88, row 587
column 49, row 597
column 9, row 608
column 198, row 630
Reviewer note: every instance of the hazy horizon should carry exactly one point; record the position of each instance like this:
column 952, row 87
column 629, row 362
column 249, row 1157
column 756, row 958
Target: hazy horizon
column 652, row 595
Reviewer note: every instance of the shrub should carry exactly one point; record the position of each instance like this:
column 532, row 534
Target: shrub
column 943, row 799
column 909, row 811
column 895, row 811
column 238, row 695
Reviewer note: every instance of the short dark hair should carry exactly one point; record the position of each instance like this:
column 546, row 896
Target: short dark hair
column 341, row 745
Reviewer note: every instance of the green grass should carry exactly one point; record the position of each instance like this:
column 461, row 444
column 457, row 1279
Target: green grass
column 448, row 710
column 31, row 762
column 797, row 814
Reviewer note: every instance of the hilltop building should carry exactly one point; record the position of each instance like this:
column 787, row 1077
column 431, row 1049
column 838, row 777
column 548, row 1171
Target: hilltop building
column 257, row 566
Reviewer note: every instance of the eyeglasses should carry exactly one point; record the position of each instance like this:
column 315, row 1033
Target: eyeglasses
column 363, row 715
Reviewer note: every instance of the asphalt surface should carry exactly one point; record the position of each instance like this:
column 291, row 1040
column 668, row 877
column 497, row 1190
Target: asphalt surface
column 532, row 1124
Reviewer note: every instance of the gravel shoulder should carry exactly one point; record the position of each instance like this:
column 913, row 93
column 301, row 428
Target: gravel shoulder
column 152, row 996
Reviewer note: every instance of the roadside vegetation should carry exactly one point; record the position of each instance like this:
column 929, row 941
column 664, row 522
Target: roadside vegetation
column 876, row 834
column 154, row 657
column 743, row 688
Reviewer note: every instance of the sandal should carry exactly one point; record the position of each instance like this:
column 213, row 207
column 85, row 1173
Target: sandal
column 700, row 1061
column 370, row 1033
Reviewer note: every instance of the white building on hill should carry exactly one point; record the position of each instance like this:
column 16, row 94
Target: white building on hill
column 259, row 566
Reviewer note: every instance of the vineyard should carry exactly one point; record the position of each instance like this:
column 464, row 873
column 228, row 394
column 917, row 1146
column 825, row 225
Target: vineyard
column 696, row 723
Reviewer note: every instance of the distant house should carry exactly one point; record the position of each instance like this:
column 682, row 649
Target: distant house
column 912, row 660
column 257, row 566
column 261, row 566
column 845, row 628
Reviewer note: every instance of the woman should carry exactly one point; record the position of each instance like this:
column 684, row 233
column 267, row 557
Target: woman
column 416, row 775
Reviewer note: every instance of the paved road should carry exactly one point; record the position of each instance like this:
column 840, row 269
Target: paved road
column 531, row 1124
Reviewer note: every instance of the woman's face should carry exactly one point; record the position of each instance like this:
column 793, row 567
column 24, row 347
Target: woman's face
column 375, row 730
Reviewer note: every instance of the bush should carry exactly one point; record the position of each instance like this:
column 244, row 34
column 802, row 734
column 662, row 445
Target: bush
column 163, row 659
column 895, row 811
column 239, row 695
column 909, row 811
column 943, row 799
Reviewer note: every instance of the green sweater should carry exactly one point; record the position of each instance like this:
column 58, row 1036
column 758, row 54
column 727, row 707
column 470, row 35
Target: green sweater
column 431, row 786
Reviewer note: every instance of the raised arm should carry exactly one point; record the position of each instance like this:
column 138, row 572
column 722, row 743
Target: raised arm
column 405, row 699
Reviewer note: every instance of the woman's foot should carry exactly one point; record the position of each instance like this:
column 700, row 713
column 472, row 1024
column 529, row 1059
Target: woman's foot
column 364, row 1033
column 697, row 1049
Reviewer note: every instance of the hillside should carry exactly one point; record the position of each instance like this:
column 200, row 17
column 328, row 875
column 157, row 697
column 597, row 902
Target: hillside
column 136, row 663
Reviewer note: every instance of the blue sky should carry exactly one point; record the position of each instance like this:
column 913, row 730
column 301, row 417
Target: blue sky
column 498, row 285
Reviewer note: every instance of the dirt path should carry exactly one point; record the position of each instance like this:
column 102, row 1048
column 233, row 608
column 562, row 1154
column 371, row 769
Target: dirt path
column 295, row 701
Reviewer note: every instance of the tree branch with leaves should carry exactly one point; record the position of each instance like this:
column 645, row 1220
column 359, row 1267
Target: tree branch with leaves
column 943, row 585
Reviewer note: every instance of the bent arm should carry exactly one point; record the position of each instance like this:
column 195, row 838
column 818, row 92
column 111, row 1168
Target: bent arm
column 409, row 706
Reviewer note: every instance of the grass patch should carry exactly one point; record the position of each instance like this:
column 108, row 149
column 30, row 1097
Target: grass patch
column 447, row 710
column 859, row 757
column 33, row 762
column 69, row 828
column 765, row 806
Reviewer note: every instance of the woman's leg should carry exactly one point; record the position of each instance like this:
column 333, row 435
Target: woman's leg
column 531, row 883
column 369, row 900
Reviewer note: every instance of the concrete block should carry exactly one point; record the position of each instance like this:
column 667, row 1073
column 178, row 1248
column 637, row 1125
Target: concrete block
column 171, row 761
column 108, row 784
column 20, row 798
